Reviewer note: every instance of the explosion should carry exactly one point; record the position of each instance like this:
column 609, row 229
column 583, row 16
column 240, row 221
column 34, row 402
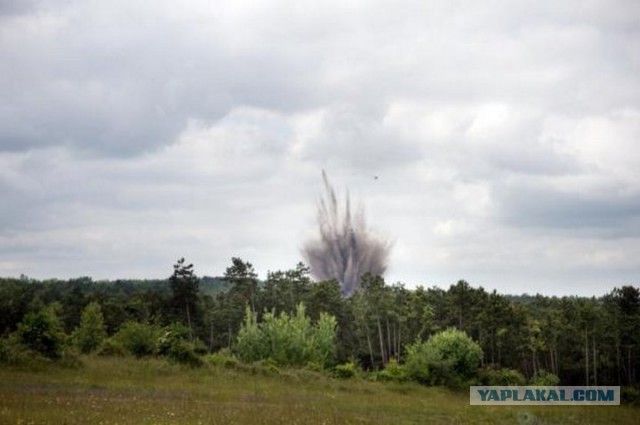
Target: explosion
column 346, row 249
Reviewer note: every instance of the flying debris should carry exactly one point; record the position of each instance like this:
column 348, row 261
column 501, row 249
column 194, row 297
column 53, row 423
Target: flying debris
column 346, row 249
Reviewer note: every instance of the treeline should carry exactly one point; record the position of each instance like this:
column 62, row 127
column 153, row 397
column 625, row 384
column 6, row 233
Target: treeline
column 583, row 341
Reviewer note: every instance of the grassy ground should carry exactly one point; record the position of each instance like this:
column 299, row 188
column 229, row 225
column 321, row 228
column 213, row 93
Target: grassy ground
column 128, row 391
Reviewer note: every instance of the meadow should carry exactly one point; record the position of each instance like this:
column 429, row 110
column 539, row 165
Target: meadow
column 116, row 390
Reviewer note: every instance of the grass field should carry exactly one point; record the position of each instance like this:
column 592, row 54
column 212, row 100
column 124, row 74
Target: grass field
column 129, row 391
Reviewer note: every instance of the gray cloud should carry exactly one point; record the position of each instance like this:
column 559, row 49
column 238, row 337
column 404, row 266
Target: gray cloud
column 132, row 135
column 549, row 208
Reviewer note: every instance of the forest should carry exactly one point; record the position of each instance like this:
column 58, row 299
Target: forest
column 377, row 329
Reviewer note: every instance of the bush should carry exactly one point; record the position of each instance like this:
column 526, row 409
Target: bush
column 175, row 344
column 70, row 360
column 42, row 332
column 545, row 378
column 223, row 358
column 13, row 353
column 393, row 372
column 112, row 347
column 91, row 332
column 266, row 367
column 490, row 376
column 448, row 358
column 287, row 340
column 183, row 352
column 630, row 395
column 314, row 367
column 346, row 370
column 200, row 348
column 139, row 339
column 170, row 336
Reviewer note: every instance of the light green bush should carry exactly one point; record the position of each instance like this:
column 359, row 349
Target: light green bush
column 223, row 358
column 393, row 371
column 346, row 370
column 91, row 332
column 287, row 340
column 448, row 358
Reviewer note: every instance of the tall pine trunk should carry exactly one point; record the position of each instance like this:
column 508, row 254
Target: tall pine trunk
column 382, row 353
column 586, row 357
column 389, row 346
column 595, row 367
column 189, row 322
column 370, row 347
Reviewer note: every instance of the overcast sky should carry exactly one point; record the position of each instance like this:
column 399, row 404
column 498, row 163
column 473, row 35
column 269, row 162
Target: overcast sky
column 504, row 134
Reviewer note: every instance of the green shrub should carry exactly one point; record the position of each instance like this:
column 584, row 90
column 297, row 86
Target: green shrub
column 266, row 367
column 393, row 372
column 223, row 358
column 139, row 339
column 170, row 336
column 287, row 340
column 91, row 332
column 346, row 370
column 314, row 367
column 448, row 358
column 13, row 353
column 200, row 348
column 70, row 360
column 43, row 333
column 545, row 378
column 183, row 352
column 490, row 376
column 630, row 395
column 112, row 347
column 417, row 363
column 174, row 342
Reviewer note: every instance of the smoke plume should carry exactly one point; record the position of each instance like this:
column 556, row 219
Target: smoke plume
column 346, row 249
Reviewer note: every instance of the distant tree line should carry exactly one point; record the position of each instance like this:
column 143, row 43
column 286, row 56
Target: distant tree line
column 581, row 341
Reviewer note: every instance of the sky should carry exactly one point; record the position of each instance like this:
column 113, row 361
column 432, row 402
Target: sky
column 491, row 141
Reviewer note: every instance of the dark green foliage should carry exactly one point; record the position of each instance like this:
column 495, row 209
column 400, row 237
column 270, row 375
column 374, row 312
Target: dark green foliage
column 244, row 282
column 630, row 395
column 15, row 298
column 491, row 376
column 580, row 340
column 139, row 339
column 112, row 347
column 14, row 353
column 284, row 290
column 184, row 287
column 74, row 303
column 545, row 378
column 171, row 335
column 184, row 352
column 114, row 314
column 43, row 333
column 175, row 343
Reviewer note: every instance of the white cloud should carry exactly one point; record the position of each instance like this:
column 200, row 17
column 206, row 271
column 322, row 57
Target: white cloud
column 503, row 136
